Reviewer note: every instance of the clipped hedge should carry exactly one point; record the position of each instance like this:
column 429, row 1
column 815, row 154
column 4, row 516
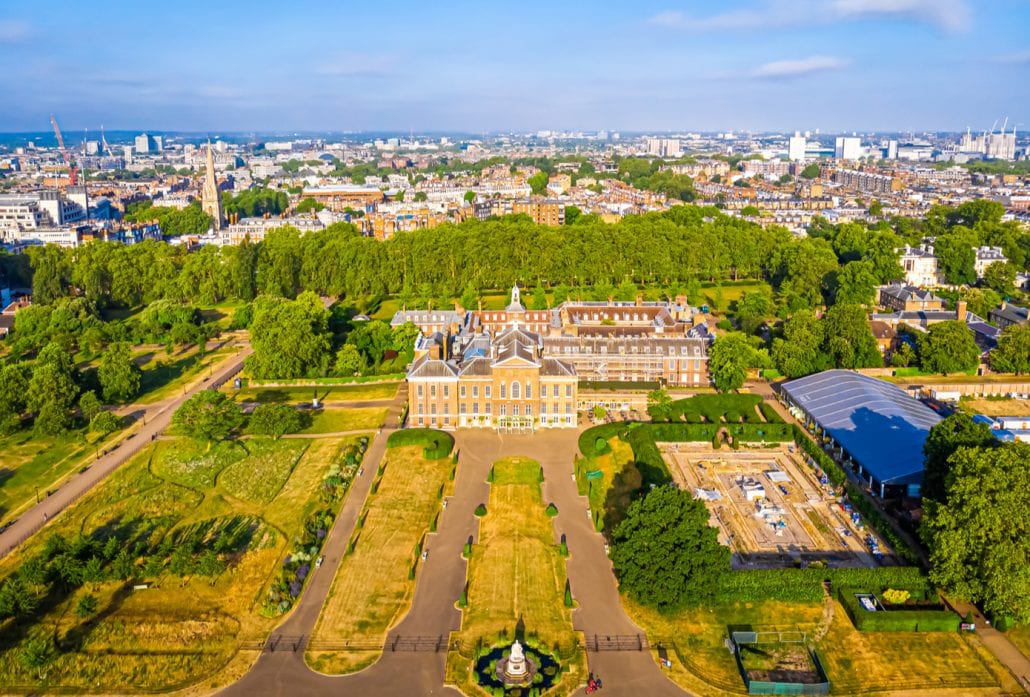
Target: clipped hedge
column 770, row 413
column 589, row 439
column 918, row 620
column 713, row 407
column 806, row 585
column 436, row 444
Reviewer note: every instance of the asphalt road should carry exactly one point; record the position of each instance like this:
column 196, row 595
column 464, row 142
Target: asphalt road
column 74, row 488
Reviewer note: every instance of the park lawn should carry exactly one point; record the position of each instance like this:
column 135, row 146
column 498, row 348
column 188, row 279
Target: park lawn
column 180, row 630
column 995, row 407
column 694, row 638
column 515, row 573
column 344, row 393
column 372, row 588
column 866, row 661
column 731, row 293
column 29, row 462
column 262, row 474
column 336, row 420
column 164, row 375
column 1020, row 636
column 609, row 464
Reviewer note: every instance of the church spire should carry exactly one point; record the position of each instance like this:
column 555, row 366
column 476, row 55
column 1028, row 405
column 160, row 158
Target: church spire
column 211, row 198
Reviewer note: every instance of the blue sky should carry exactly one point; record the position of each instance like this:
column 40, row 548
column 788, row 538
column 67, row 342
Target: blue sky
column 229, row 65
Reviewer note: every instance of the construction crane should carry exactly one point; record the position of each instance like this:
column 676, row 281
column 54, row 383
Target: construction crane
column 72, row 169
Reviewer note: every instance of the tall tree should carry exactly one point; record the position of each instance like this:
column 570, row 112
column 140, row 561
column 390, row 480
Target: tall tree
column 208, row 416
column 856, row 283
column 664, row 552
column 957, row 431
column 977, row 537
column 799, row 352
column 50, row 271
column 52, row 390
column 119, row 375
column 290, row 337
column 274, row 420
column 948, row 347
column 728, row 360
column 849, row 340
column 1013, row 352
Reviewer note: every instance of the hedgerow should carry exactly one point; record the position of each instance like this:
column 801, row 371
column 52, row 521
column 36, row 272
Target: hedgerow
column 436, row 444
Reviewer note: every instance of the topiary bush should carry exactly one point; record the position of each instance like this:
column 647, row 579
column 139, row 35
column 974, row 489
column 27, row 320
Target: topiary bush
column 480, row 510
column 552, row 510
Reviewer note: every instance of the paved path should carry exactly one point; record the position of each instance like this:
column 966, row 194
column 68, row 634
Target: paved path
column 1007, row 653
column 158, row 417
column 284, row 673
column 442, row 578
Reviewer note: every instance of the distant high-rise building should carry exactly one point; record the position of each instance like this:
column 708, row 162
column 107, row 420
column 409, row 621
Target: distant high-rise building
column 143, row 143
column 92, row 147
column 664, row 147
column 847, row 148
column 211, row 198
column 159, row 143
column 796, row 147
column 127, row 154
column 892, row 149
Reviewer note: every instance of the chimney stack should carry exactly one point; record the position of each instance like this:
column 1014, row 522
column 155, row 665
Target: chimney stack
column 960, row 311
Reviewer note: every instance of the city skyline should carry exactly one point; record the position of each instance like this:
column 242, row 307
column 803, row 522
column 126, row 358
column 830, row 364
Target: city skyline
column 658, row 65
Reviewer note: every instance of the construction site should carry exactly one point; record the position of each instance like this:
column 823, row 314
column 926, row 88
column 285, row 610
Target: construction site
column 771, row 509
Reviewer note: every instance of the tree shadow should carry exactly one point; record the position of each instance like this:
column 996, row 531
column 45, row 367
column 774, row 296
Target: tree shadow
column 625, row 489
column 75, row 638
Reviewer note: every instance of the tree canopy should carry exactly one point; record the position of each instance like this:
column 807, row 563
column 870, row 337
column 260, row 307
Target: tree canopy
column 728, row 360
column 290, row 337
column 208, row 416
column 977, row 536
column 1013, row 352
column 957, row 431
column 664, row 552
column 948, row 347
column 275, row 420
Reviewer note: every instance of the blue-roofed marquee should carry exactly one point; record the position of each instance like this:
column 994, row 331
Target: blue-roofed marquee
column 880, row 426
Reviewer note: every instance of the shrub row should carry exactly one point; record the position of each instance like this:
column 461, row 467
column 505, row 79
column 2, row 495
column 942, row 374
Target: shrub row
column 590, row 439
column 436, row 444
column 770, row 414
column 806, row 585
column 713, row 407
column 925, row 620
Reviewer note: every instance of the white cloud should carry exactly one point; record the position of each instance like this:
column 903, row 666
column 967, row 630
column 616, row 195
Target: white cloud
column 1016, row 58
column 13, row 30
column 357, row 65
column 798, row 67
column 950, row 15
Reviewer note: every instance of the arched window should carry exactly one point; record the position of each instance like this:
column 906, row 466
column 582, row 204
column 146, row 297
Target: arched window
column 514, row 390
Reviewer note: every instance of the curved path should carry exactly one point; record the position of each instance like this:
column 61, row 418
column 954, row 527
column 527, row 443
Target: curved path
column 442, row 578
column 156, row 418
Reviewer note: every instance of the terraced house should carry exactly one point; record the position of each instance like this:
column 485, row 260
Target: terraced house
column 517, row 370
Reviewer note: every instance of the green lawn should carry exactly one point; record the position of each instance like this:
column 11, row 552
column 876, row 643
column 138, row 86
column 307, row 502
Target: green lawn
column 334, row 420
column 182, row 629
column 29, row 462
column 515, row 573
column 609, row 465
column 372, row 587
column 164, row 375
column 345, row 393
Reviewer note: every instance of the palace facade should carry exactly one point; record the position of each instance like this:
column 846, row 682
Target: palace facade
column 517, row 370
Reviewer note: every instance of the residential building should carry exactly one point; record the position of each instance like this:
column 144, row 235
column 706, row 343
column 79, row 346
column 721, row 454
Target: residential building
column 542, row 211
column 920, row 265
column 985, row 256
column 847, row 148
column 796, row 147
column 1006, row 315
column 907, row 298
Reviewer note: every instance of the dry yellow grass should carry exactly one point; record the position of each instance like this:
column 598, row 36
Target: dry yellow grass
column 180, row 630
column 855, row 662
column 515, row 573
column 372, row 588
column 996, row 407
column 865, row 661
